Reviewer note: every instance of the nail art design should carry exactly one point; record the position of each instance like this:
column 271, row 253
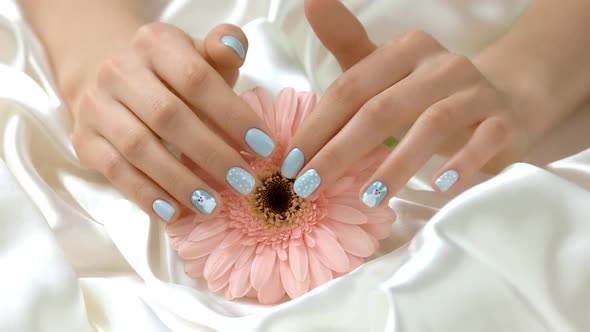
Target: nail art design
column 203, row 201
column 163, row 209
column 260, row 142
column 375, row 194
column 307, row 183
column 234, row 43
column 240, row 180
column 446, row 180
column 292, row 164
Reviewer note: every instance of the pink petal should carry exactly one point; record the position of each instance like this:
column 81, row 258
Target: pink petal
column 309, row 241
column 194, row 267
column 282, row 254
column 298, row 261
column 207, row 229
column 191, row 250
column 355, row 261
column 262, row 267
column 252, row 293
column 293, row 287
column 177, row 241
column 329, row 251
column 346, row 214
column 339, row 186
column 286, row 101
column 245, row 256
column 305, row 105
column 219, row 283
column 318, row 272
column 221, row 260
column 353, row 238
column 239, row 281
column 233, row 237
column 182, row 226
column 268, row 109
column 378, row 231
column 251, row 98
column 273, row 290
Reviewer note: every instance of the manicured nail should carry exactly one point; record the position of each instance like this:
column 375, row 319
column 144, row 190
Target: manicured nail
column 307, row 183
column 234, row 43
column 446, row 180
column 240, row 180
column 375, row 194
column 203, row 201
column 292, row 163
column 163, row 209
column 260, row 142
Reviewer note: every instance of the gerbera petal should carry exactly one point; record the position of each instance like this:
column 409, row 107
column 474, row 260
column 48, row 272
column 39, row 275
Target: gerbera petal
column 353, row 238
column 194, row 267
column 298, row 261
column 309, row 241
column 262, row 267
column 268, row 110
column 379, row 231
column 218, row 284
column 355, row 261
column 221, row 260
column 177, row 241
column 207, row 229
column 330, row 252
column 305, row 104
column 293, row 287
column 285, row 100
column 239, row 281
column 183, row 226
column 192, row 250
column 245, row 256
column 339, row 186
column 273, row 290
column 346, row 214
column 233, row 237
column 282, row 254
column 318, row 272
column 251, row 98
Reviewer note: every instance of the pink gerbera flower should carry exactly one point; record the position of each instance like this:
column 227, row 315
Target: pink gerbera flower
column 272, row 242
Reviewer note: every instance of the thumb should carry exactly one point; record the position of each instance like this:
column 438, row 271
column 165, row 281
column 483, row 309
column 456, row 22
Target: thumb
column 339, row 30
column 225, row 49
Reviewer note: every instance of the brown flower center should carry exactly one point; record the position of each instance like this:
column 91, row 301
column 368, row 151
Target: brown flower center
column 276, row 202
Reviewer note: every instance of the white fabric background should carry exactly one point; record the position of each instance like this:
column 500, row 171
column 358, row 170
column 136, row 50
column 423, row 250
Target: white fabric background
column 511, row 254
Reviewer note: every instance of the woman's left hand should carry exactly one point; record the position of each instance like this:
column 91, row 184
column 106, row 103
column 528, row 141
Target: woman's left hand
column 410, row 84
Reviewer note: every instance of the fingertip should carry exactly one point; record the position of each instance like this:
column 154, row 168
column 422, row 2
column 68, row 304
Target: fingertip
column 166, row 210
column 227, row 46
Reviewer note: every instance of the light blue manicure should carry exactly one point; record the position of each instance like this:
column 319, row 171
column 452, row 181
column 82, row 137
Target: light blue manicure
column 203, row 201
column 292, row 163
column 240, row 180
column 163, row 209
column 234, row 43
column 375, row 194
column 260, row 142
column 307, row 183
column 446, row 180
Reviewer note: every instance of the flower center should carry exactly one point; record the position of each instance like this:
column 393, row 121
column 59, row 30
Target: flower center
column 276, row 202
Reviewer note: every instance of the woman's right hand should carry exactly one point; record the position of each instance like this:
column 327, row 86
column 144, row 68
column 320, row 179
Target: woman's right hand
column 166, row 85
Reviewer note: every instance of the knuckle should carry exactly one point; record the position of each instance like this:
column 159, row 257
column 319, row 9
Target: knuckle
column 332, row 155
column 459, row 63
column 164, row 111
column 196, row 75
column 141, row 193
column 413, row 37
column 499, row 129
column 345, row 86
column 439, row 117
column 376, row 110
column 211, row 159
column 112, row 165
column 149, row 35
column 134, row 144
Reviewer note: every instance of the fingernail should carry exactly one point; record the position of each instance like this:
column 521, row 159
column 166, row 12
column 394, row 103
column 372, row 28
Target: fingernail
column 307, row 183
column 446, row 180
column 234, row 43
column 240, row 180
column 292, row 164
column 375, row 194
column 163, row 209
column 260, row 142
column 203, row 201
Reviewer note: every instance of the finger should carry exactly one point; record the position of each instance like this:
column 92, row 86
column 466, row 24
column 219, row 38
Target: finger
column 96, row 152
column 339, row 31
column 424, row 138
column 354, row 88
column 145, row 151
column 167, row 116
column 486, row 141
column 391, row 112
column 179, row 65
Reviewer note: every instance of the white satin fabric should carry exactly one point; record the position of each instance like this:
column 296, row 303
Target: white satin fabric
column 510, row 254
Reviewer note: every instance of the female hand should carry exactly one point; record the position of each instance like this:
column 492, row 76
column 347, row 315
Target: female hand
column 410, row 84
column 165, row 85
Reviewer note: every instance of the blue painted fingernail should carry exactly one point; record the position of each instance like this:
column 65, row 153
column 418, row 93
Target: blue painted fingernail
column 260, row 142
column 446, row 180
column 203, row 201
column 307, row 183
column 375, row 194
column 234, row 43
column 292, row 163
column 163, row 209
column 240, row 180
